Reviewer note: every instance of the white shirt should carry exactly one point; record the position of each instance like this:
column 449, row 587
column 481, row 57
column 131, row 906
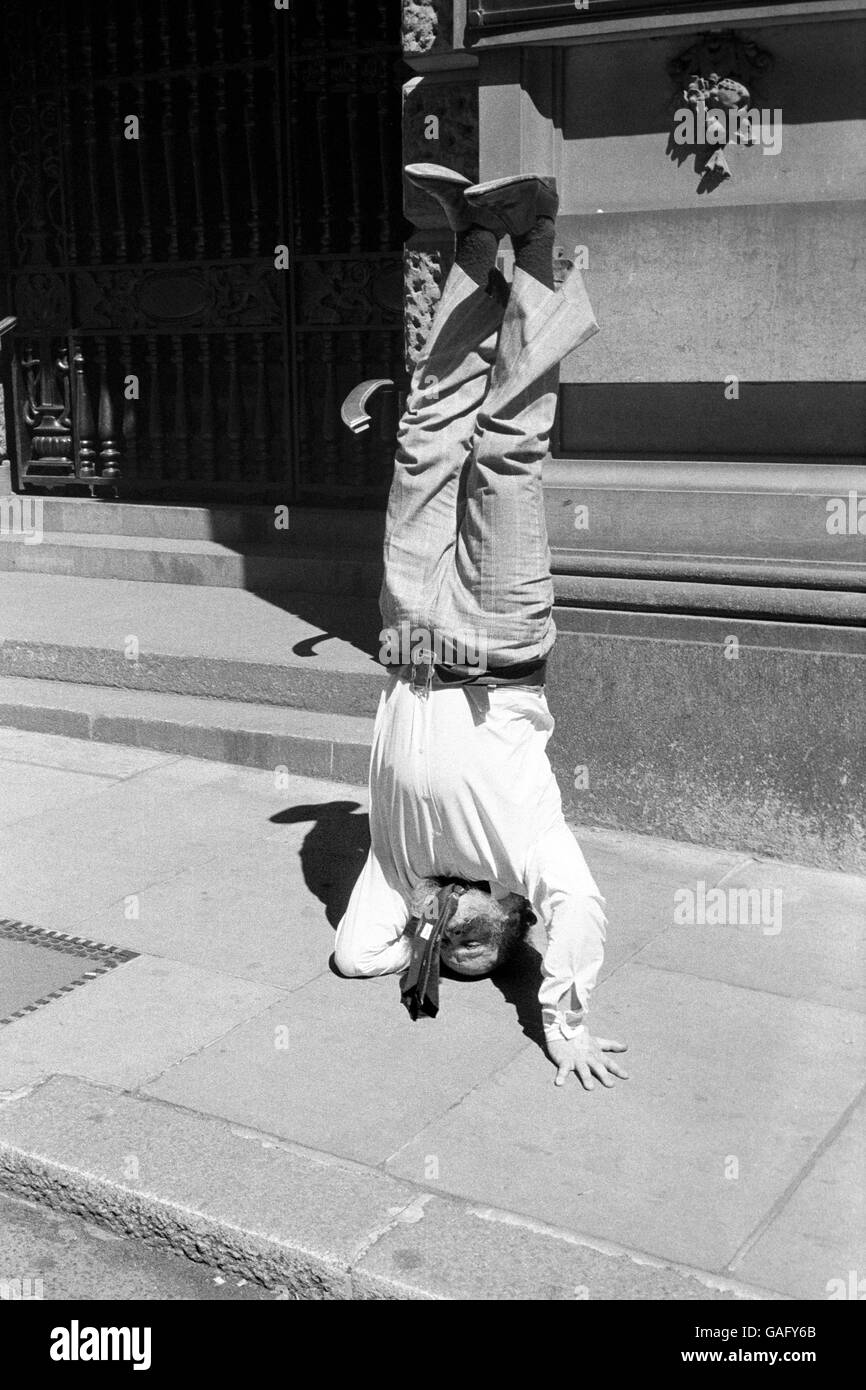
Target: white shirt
column 460, row 784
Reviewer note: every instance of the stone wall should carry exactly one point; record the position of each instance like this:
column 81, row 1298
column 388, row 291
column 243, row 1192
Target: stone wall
column 440, row 126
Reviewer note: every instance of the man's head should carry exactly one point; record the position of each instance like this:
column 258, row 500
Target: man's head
column 483, row 933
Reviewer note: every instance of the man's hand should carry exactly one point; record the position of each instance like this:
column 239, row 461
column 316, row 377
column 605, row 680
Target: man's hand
column 585, row 1055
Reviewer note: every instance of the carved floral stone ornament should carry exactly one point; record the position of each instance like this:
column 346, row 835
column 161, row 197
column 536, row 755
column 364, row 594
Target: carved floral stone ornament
column 720, row 105
column 716, row 104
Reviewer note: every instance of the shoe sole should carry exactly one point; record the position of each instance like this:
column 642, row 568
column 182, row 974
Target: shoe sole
column 423, row 174
column 493, row 199
column 447, row 187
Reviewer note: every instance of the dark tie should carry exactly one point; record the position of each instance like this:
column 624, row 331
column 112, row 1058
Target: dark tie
column 420, row 987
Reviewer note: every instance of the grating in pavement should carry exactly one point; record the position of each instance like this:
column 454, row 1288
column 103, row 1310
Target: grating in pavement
column 37, row 966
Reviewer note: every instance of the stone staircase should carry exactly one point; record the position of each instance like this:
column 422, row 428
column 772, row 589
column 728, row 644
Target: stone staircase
column 209, row 632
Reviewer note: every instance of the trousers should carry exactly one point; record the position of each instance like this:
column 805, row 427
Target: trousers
column 460, row 782
column 466, row 549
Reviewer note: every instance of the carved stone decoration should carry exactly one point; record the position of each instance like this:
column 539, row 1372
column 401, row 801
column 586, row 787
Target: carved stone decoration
column 40, row 302
column 428, row 26
column 725, row 52
column 34, row 182
column 173, row 295
column 424, row 271
column 718, row 79
column 213, row 295
column 363, row 293
column 719, row 104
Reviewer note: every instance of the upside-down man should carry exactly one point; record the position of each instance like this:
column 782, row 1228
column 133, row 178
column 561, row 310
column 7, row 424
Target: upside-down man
column 468, row 840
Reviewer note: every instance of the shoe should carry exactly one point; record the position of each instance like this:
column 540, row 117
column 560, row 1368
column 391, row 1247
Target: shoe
column 446, row 186
column 513, row 204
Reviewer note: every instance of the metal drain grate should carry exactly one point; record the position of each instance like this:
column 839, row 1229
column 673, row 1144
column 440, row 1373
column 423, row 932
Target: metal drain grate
column 38, row 966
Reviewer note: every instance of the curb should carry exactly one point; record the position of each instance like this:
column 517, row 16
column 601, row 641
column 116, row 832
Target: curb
column 334, row 747
column 310, row 1224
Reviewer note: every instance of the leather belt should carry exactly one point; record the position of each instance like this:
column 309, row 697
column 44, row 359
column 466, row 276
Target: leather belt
column 424, row 675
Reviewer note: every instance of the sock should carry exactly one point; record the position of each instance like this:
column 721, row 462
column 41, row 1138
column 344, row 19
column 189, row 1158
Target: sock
column 498, row 287
column 476, row 252
column 533, row 252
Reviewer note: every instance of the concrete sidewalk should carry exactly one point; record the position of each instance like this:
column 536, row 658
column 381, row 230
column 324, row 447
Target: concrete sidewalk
column 225, row 1094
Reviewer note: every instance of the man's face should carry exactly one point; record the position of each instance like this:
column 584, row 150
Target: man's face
column 479, row 933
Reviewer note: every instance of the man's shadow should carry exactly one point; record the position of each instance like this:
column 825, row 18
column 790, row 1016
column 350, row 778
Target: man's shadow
column 333, row 852
column 518, row 982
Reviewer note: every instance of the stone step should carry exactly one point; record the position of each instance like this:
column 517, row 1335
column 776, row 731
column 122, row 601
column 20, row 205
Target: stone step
column 305, row 651
column 309, row 744
column 279, row 566
column 307, row 526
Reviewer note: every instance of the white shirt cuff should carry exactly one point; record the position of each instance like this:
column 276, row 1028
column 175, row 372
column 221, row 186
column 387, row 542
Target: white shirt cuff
column 562, row 1023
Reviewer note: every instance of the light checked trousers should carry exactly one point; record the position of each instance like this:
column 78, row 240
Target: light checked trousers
column 460, row 782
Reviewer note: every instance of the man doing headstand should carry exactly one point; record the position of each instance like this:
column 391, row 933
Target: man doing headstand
column 468, row 839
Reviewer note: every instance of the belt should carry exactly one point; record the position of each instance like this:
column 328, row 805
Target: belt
column 427, row 675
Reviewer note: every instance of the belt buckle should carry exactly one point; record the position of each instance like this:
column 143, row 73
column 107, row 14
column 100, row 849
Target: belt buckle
column 421, row 674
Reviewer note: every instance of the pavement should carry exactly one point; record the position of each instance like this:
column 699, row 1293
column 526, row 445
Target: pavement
column 223, row 1094
column 65, row 1258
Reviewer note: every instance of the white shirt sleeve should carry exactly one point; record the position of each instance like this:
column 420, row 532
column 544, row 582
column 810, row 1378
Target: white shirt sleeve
column 567, row 902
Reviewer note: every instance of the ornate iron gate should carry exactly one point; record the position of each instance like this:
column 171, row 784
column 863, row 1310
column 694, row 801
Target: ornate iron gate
column 201, row 243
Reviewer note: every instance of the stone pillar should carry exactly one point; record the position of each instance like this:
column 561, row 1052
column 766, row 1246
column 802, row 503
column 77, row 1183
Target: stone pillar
column 440, row 126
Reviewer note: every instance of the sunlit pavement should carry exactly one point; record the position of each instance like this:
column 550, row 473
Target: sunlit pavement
column 227, row 1087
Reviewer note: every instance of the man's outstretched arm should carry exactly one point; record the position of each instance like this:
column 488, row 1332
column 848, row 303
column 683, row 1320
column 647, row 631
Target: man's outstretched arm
column 565, row 898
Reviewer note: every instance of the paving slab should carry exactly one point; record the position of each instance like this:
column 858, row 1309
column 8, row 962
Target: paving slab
column 216, row 856
column 814, row 1244
column 810, row 944
column 309, row 1224
column 78, row 877
column 133, row 834
column 251, row 911
column 28, row 790
column 127, row 1025
column 184, row 797
column 447, row 1249
column 637, row 878
column 732, row 1091
column 340, row 1066
column 98, row 759
column 23, row 903
column 239, row 1201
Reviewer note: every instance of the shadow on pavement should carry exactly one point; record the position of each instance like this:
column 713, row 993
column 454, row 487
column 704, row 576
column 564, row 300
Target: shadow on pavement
column 333, row 852
column 519, row 983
